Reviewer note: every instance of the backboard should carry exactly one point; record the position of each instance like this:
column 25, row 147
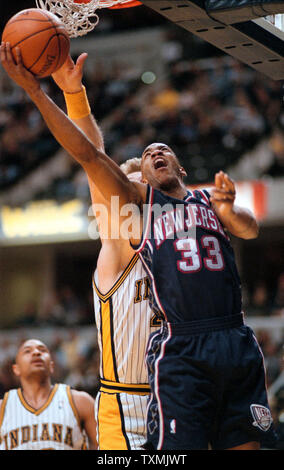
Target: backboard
column 258, row 42
column 276, row 20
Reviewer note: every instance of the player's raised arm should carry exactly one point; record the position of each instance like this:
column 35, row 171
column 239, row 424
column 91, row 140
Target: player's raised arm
column 239, row 221
column 69, row 79
column 105, row 173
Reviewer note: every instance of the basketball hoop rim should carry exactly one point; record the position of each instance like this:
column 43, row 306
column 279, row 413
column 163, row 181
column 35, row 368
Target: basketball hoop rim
column 131, row 4
column 81, row 16
column 117, row 4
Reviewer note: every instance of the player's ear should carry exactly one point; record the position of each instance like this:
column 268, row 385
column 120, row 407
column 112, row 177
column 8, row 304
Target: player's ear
column 143, row 178
column 182, row 172
column 51, row 367
column 16, row 369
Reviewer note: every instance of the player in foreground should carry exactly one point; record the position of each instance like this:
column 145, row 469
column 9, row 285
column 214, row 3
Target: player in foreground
column 123, row 314
column 39, row 415
column 205, row 367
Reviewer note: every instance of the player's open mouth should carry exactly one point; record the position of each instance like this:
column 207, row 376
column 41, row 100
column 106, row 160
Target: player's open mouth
column 160, row 163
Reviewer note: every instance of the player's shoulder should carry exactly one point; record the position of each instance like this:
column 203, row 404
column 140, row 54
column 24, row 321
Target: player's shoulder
column 8, row 394
column 84, row 403
column 141, row 189
column 82, row 398
column 114, row 258
column 201, row 194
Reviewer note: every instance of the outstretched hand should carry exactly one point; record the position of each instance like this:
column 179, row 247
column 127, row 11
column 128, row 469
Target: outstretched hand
column 16, row 69
column 223, row 194
column 69, row 76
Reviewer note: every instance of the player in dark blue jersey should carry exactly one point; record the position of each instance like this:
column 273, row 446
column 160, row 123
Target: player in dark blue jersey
column 205, row 366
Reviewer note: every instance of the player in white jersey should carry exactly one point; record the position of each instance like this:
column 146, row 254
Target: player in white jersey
column 121, row 288
column 39, row 415
column 124, row 322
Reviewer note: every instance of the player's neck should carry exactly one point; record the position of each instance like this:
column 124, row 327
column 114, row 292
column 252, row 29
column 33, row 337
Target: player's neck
column 178, row 191
column 36, row 392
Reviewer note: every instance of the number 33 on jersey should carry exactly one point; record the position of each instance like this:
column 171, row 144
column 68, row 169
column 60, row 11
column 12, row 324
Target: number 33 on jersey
column 185, row 248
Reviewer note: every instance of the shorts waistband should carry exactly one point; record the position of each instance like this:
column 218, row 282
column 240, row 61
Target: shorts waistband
column 205, row 326
column 117, row 387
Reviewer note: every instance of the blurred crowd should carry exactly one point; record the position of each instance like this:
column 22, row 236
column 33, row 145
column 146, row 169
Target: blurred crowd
column 76, row 356
column 265, row 302
column 62, row 307
column 210, row 111
column 66, row 323
column 65, row 307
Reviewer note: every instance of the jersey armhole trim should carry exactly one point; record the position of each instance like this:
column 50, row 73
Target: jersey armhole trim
column 121, row 279
column 73, row 406
column 3, row 407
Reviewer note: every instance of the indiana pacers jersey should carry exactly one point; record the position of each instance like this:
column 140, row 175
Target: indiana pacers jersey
column 188, row 255
column 55, row 426
column 124, row 322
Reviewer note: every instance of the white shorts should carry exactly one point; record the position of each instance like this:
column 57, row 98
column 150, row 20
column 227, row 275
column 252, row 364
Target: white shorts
column 121, row 420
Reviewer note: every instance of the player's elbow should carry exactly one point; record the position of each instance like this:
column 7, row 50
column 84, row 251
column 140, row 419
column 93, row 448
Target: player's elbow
column 86, row 154
column 252, row 232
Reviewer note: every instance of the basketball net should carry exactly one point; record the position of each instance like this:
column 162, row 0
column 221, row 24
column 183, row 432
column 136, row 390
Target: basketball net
column 78, row 17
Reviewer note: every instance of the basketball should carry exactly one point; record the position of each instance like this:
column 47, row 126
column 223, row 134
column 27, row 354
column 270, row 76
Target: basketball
column 42, row 38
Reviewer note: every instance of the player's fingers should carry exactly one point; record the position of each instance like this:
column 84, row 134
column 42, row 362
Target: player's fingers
column 9, row 56
column 223, row 201
column 218, row 180
column 223, row 195
column 224, row 189
column 19, row 60
column 6, row 52
column 229, row 183
column 81, row 61
column 68, row 64
column 2, row 52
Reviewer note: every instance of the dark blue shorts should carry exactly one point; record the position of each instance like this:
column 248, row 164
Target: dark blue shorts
column 208, row 387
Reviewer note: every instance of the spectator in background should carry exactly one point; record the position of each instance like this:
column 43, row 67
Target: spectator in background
column 246, row 108
column 7, row 379
column 71, row 305
column 166, row 99
column 259, row 304
column 276, row 168
column 29, row 316
column 278, row 302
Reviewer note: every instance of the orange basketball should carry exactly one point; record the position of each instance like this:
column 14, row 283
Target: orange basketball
column 42, row 38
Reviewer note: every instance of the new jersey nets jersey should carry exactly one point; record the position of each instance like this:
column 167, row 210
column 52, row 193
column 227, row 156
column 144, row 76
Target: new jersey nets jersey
column 55, row 426
column 189, row 258
column 124, row 322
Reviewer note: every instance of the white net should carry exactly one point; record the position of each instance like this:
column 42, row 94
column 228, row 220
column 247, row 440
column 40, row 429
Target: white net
column 78, row 18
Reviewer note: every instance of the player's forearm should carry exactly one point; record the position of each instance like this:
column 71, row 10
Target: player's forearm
column 63, row 129
column 241, row 223
column 103, row 171
column 79, row 110
column 91, row 129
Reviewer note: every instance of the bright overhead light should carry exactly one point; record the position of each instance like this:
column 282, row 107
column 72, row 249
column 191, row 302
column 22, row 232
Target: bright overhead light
column 148, row 77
